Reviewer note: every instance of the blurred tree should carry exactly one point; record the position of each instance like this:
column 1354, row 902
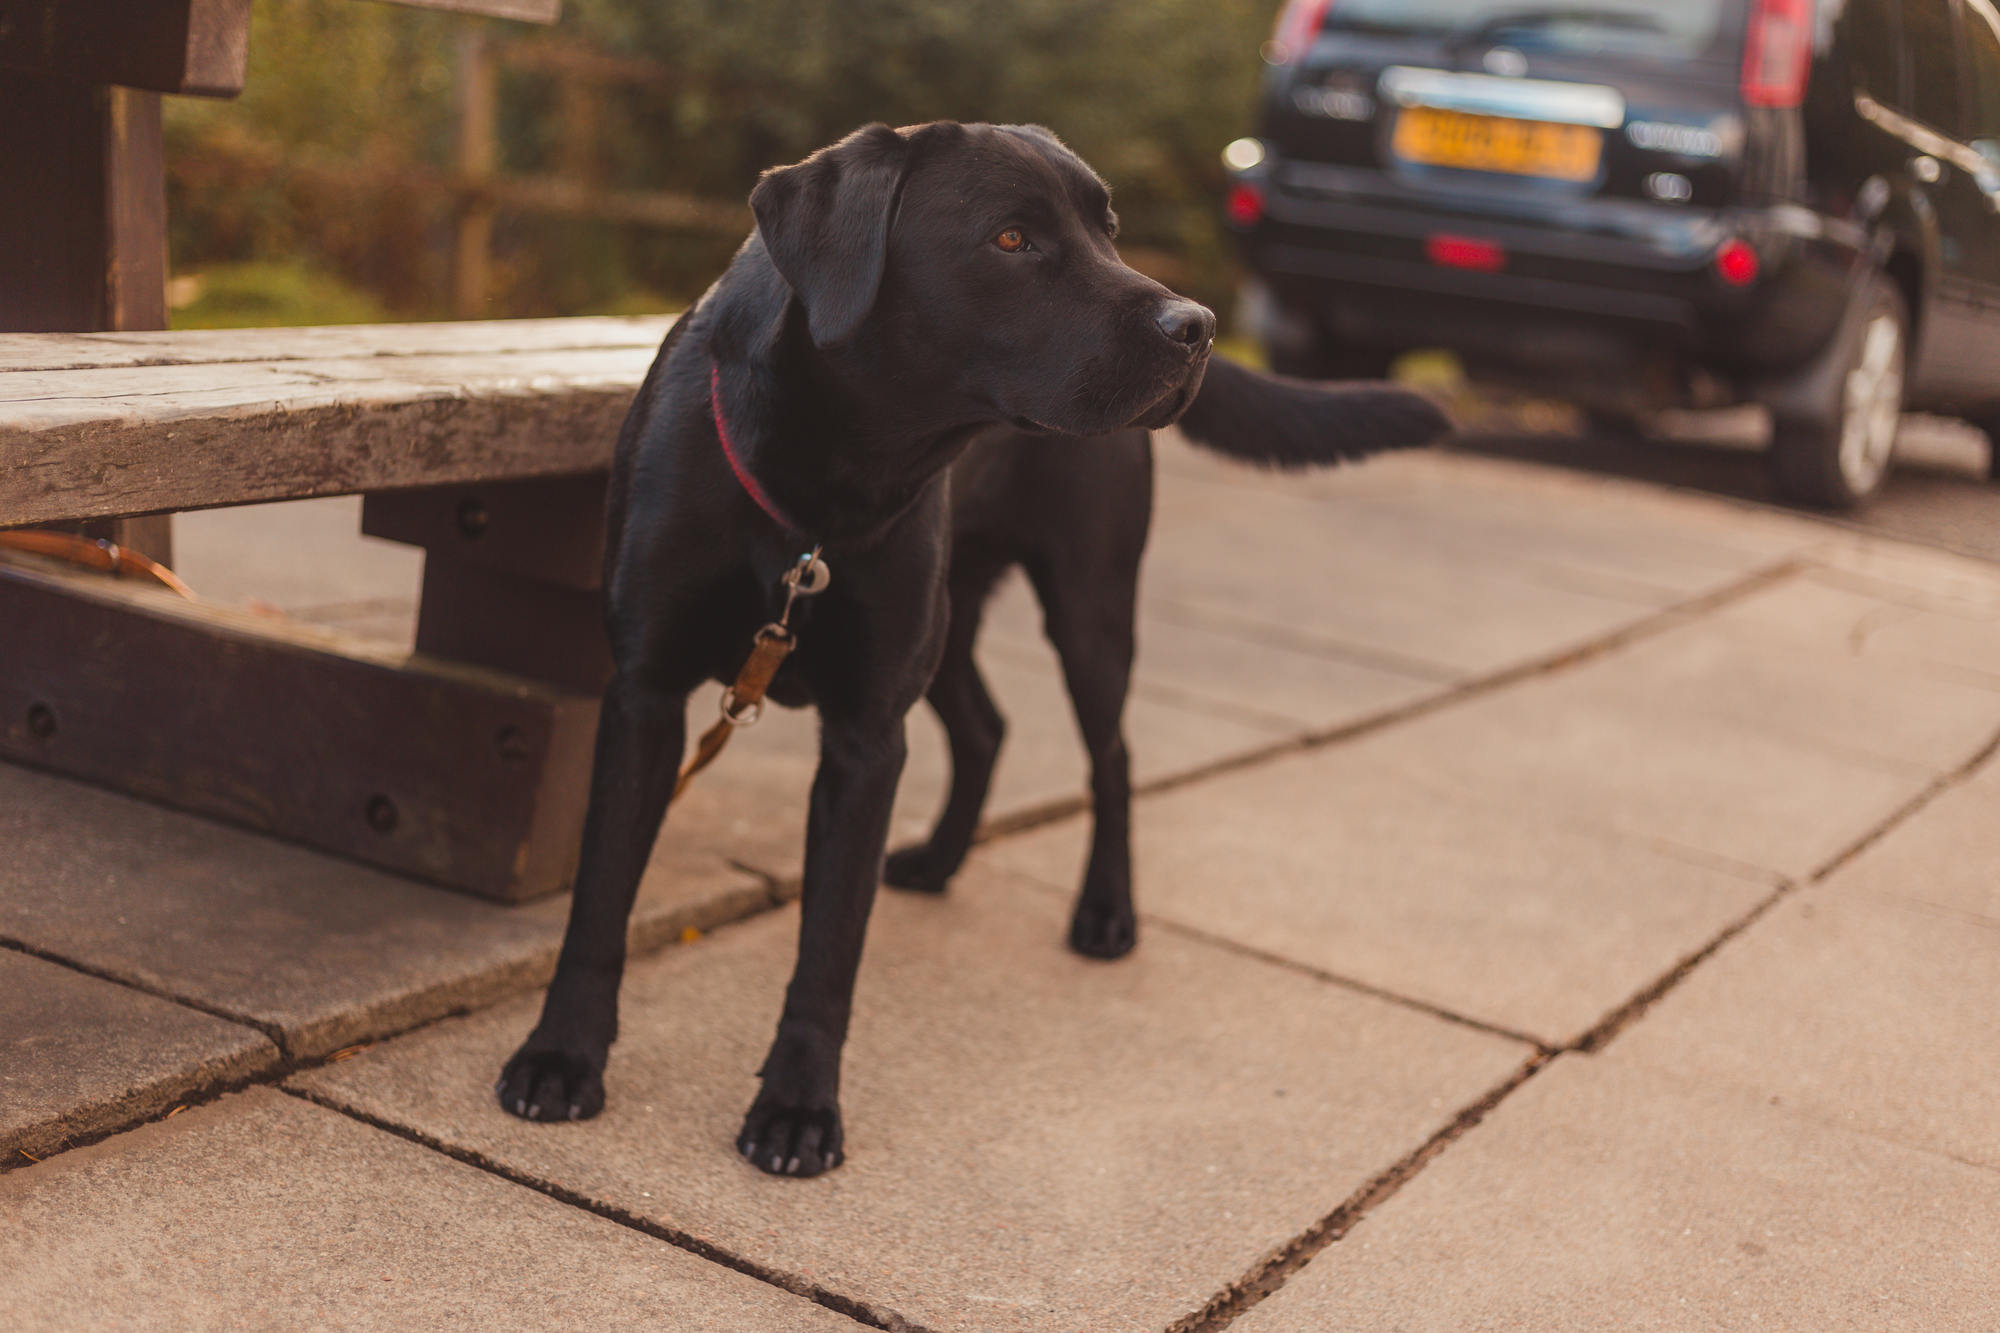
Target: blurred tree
column 1147, row 90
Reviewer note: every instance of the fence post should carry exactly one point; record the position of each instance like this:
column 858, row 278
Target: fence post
column 477, row 159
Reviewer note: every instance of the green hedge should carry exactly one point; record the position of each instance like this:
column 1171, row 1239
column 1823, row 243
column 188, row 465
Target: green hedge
column 1148, row 90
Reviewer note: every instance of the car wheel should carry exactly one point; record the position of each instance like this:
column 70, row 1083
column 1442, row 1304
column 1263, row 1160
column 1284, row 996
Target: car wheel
column 1838, row 457
column 1328, row 360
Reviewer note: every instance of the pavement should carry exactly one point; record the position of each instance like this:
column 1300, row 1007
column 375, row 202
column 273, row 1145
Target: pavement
column 1565, row 904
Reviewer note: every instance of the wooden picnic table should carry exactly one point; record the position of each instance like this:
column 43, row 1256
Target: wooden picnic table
column 465, row 762
column 485, row 443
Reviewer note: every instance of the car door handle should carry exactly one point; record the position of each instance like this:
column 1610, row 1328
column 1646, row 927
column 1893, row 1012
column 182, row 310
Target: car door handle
column 1926, row 168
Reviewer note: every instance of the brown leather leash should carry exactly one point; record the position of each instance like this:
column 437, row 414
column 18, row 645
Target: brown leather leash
column 92, row 553
column 743, row 702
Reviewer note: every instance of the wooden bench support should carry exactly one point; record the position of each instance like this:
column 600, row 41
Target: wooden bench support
column 466, row 777
column 511, row 574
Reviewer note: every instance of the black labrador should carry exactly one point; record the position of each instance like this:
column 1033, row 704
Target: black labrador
column 942, row 301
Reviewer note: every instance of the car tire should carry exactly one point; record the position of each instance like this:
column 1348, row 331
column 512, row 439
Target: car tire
column 1328, row 360
column 1836, row 454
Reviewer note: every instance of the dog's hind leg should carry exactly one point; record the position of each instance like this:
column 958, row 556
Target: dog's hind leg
column 974, row 728
column 558, row 1074
column 1089, row 620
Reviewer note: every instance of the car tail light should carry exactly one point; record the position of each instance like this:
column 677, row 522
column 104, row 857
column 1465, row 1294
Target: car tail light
column 1298, row 23
column 1246, row 205
column 1736, row 263
column 1778, row 53
column 1466, row 252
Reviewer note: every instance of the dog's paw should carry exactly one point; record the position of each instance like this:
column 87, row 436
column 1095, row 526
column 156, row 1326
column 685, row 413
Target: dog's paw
column 1097, row 932
column 791, row 1140
column 912, row 869
column 551, row 1085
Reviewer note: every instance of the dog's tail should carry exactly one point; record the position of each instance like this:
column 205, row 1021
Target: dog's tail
column 1291, row 423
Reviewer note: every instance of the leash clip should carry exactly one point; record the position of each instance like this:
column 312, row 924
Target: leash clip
column 808, row 577
column 743, row 701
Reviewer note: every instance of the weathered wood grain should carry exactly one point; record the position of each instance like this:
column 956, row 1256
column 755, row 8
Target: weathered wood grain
column 466, row 777
column 527, row 11
column 190, row 347
column 95, row 426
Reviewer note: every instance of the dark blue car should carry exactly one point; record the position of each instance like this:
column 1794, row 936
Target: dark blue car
column 1643, row 204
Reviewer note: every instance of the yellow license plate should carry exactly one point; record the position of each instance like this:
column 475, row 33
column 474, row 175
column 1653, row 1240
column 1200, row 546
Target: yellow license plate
column 1495, row 143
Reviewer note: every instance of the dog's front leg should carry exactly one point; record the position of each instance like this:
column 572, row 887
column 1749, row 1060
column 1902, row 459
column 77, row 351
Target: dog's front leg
column 793, row 1128
column 558, row 1074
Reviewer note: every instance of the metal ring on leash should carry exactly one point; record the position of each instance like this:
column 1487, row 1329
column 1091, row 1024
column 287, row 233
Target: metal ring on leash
column 745, row 718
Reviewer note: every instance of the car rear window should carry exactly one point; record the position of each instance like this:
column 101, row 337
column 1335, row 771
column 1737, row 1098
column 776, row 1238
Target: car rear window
column 1656, row 29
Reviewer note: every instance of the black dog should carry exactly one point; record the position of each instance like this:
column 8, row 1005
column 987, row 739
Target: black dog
column 905, row 293
column 1074, row 516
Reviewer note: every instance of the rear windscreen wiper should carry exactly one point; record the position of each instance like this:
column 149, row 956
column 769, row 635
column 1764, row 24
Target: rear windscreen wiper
column 1495, row 24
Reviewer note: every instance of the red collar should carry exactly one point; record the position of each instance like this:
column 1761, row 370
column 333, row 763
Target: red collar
column 748, row 482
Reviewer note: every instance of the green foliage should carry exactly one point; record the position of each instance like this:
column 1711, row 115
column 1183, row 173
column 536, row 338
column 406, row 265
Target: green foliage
column 1147, row 90
column 273, row 295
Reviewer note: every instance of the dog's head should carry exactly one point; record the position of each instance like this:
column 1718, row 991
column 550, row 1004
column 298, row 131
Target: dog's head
column 978, row 260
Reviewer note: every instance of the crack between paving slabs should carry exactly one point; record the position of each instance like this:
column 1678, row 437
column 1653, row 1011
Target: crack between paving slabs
column 1292, row 965
column 271, row 1031
column 289, row 1062
column 1276, row 1268
column 857, row 1310
column 1667, row 618
column 1271, row 1273
column 1626, row 1014
column 781, row 890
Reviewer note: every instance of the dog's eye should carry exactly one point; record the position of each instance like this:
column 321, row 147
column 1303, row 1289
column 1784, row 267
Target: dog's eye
column 1013, row 241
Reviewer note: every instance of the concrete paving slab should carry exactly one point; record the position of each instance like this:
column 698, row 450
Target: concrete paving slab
column 1791, row 661
column 1035, row 1141
column 1831, row 617
column 1920, row 575
column 1621, row 551
column 79, row 1056
column 326, row 951
column 1377, row 877
column 1866, row 1001
column 1601, row 1195
column 1595, row 744
column 266, row 1212
column 1697, row 533
column 307, row 557
column 750, row 807
column 1280, row 564
column 1235, row 674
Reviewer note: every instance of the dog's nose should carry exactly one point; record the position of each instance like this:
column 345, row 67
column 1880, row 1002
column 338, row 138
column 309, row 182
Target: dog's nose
column 1186, row 323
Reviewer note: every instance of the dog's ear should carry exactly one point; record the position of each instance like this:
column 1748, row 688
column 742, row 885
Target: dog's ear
column 825, row 224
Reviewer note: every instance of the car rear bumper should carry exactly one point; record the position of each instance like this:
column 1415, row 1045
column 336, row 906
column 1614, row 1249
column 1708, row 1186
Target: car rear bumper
column 1584, row 283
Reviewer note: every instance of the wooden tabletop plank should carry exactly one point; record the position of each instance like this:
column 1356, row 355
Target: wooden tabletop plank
column 98, row 426
column 82, row 351
column 527, row 11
